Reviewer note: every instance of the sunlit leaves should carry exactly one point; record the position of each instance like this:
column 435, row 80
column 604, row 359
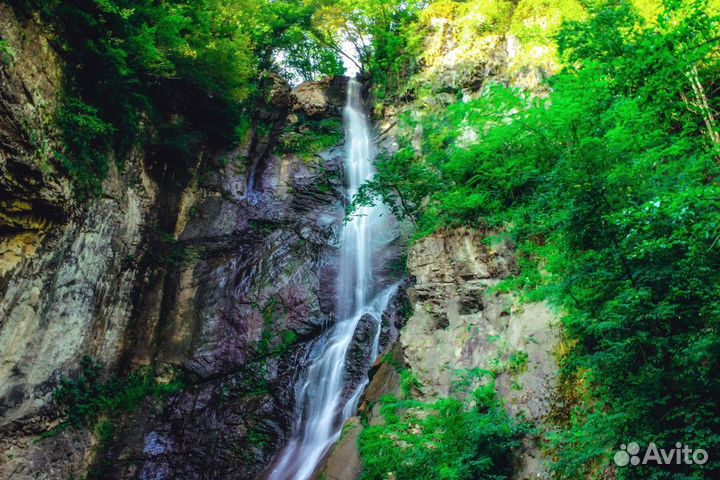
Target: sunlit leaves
column 609, row 188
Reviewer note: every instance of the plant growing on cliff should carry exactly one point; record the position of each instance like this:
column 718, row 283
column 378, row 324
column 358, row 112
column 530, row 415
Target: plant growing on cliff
column 87, row 138
column 87, row 396
column 311, row 137
column 7, row 54
column 409, row 383
column 169, row 252
column 91, row 400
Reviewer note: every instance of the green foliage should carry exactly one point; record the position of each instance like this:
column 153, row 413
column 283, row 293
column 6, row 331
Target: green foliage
column 307, row 58
column 252, row 379
column 87, row 138
column 397, row 49
column 409, row 383
column 311, row 137
column 257, row 438
column 265, row 342
column 518, row 363
column 448, row 439
column 390, row 359
column 271, row 344
column 609, row 188
column 101, row 467
column 415, row 37
column 374, row 35
column 174, row 75
column 169, row 252
column 86, row 397
column 7, row 54
column 531, row 32
column 403, row 182
column 105, row 431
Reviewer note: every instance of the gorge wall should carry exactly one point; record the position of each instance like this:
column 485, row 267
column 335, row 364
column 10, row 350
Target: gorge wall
column 218, row 278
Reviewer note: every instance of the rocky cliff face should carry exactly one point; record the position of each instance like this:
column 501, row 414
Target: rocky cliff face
column 221, row 277
column 33, row 196
column 460, row 324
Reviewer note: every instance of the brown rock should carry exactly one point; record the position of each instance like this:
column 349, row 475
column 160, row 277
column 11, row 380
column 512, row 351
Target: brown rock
column 321, row 99
column 344, row 462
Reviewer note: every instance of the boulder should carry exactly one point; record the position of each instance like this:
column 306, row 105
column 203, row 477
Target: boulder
column 344, row 462
column 320, row 99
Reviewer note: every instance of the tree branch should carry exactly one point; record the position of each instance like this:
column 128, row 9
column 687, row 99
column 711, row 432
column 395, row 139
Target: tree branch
column 336, row 49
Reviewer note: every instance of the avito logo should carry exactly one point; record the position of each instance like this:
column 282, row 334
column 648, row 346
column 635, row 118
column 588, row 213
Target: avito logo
column 680, row 455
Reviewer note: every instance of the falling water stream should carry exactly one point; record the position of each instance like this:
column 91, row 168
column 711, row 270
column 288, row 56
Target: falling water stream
column 323, row 399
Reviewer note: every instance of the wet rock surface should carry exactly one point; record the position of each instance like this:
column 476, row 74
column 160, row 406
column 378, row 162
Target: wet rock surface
column 360, row 363
column 358, row 354
column 240, row 323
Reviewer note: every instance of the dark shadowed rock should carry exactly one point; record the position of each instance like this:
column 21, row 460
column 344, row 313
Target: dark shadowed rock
column 358, row 358
column 393, row 317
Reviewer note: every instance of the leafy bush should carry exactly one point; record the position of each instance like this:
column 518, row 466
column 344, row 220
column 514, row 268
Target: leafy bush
column 408, row 383
column 86, row 396
column 168, row 252
column 445, row 440
column 311, row 137
column 7, row 54
column 135, row 67
column 87, row 139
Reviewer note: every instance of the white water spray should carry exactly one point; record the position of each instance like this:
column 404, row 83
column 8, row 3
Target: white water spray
column 323, row 401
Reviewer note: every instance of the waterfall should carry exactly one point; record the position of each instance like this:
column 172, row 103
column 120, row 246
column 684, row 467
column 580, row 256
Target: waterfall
column 323, row 399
